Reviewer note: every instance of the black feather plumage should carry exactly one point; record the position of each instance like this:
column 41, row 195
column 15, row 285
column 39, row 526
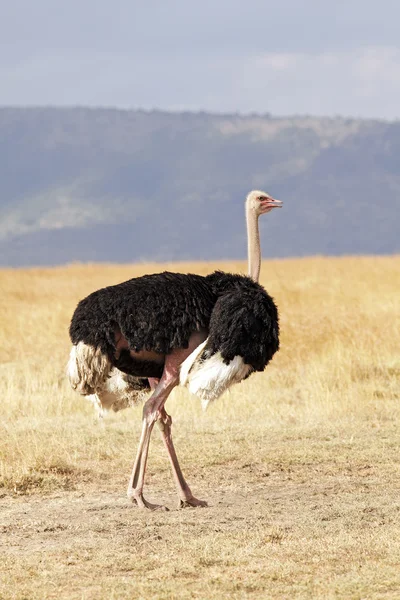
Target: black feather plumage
column 244, row 321
column 160, row 312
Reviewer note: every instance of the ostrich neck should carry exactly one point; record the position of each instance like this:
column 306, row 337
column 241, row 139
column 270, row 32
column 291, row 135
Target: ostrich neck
column 253, row 244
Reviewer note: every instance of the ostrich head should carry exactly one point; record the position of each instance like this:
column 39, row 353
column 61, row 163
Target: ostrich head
column 261, row 202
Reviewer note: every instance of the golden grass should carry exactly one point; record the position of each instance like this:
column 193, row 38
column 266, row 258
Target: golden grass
column 300, row 463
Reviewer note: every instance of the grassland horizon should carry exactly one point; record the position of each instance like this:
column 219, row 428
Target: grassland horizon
column 299, row 463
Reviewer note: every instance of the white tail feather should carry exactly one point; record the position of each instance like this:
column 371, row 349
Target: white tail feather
column 91, row 374
column 117, row 393
column 88, row 368
column 189, row 362
column 210, row 378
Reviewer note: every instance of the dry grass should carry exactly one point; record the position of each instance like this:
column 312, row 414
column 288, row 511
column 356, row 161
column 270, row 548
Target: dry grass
column 299, row 464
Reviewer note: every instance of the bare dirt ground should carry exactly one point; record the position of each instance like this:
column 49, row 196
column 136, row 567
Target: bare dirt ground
column 316, row 516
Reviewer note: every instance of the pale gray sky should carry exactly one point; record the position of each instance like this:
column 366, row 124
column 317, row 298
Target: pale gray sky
column 283, row 56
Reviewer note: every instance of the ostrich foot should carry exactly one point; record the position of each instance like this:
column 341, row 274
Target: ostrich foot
column 141, row 502
column 192, row 501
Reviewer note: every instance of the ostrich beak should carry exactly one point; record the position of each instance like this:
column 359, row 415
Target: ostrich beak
column 269, row 203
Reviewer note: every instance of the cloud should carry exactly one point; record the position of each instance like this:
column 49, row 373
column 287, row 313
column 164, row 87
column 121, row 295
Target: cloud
column 285, row 57
column 226, row 27
column 361, row 82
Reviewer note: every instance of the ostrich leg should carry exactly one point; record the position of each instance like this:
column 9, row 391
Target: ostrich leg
column 152, row 411
column 150, row 415
column 164, row 422
column 186, row 497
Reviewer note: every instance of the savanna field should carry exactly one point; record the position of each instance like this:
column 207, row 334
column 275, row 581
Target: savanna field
column 299, row 464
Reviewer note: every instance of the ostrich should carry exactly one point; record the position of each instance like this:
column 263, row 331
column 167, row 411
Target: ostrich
column 154, row 332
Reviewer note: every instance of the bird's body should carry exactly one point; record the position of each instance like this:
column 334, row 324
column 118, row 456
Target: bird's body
column 150, row 315
column 156, row 331
column 153, row 313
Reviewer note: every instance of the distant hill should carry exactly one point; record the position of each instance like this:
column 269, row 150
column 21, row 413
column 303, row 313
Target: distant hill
column 112, row 185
